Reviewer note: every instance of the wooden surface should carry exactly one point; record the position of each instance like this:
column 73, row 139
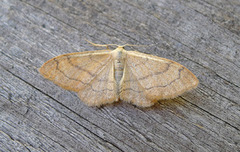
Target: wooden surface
column 203, row 35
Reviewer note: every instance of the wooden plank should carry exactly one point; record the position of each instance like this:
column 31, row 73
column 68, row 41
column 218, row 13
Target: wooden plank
column 36, row 115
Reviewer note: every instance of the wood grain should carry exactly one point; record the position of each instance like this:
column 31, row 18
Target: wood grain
column 36, row 115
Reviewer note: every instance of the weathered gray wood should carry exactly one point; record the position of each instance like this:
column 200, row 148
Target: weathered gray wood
column 36, row 115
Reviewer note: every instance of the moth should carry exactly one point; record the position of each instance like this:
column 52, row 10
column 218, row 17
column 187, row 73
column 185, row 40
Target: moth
column 105, row 76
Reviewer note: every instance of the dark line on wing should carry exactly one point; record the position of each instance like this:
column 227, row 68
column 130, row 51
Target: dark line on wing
column 57, row 62
column 100, row 90
column 90, row 57
column 153, row 74
column 157, row 73
column 130, row 90
column 179, row 76
column 79, row 67
column 141, row 63
column 88, row 84
column 158, row 86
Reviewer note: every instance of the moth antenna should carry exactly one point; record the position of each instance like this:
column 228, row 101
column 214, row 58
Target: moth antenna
column 134, row 45
column 101, row 45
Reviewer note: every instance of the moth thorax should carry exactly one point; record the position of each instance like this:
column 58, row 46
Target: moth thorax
column 118, row 66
